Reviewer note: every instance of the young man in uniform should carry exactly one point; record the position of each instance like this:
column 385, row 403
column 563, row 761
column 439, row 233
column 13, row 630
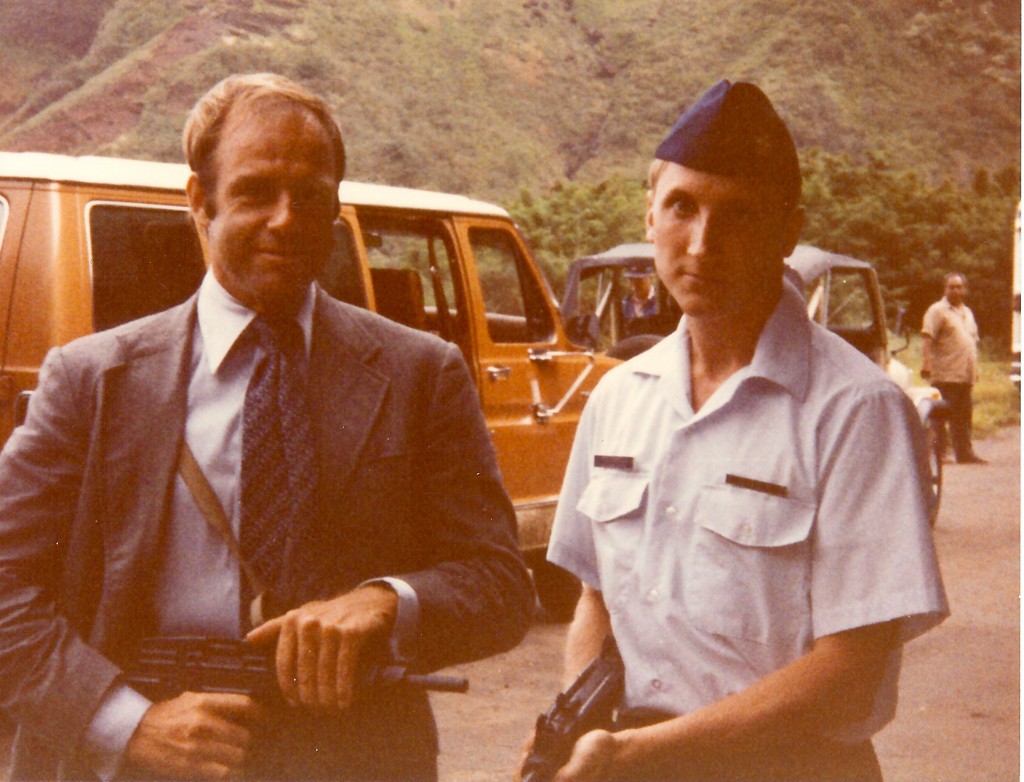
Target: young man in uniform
column 747, row 502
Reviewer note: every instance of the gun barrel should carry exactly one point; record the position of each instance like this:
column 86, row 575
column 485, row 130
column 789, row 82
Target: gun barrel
column 395, row 674
column 438, row 683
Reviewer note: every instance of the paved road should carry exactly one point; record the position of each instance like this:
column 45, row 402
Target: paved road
column 959, row 712
column 958, row 718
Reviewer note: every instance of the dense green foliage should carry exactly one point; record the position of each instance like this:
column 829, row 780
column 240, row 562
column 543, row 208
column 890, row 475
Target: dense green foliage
column 913, row 232
column 553, row 107
column 484, row 97
column 571, row 220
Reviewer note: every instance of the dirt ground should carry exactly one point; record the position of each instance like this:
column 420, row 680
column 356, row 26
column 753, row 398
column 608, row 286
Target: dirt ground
column 959, row 713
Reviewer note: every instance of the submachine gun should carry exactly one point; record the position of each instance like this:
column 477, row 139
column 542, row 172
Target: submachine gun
column 166, row 666
column 589, row 703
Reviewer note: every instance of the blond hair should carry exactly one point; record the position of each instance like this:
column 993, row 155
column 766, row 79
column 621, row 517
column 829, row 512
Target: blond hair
column 206, row 120
column 654, row 171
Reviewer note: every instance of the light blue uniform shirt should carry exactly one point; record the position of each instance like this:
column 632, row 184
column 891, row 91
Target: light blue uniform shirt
column 793, row 505
column 198, row 585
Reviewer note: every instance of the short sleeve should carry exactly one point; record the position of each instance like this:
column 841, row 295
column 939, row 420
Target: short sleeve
column 931, row 325
column 973, row 325
column 571, row 545
column 873, row 555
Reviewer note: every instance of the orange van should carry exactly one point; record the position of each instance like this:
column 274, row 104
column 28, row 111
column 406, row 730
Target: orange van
column 87, row 243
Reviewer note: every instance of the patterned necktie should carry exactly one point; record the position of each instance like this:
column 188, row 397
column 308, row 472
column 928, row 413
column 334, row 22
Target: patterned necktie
column 278, row 483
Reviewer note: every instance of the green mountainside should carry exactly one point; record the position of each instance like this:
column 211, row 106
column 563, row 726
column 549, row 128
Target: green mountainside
column 907, row 114
column 488, row 96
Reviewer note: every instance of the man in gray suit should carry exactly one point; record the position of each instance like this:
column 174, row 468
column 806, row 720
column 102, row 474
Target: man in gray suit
column 369, row 504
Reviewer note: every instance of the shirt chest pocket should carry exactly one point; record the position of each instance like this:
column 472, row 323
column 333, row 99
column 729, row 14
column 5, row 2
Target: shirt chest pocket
column 747, row 573
column 616, row 503
column 613, row 495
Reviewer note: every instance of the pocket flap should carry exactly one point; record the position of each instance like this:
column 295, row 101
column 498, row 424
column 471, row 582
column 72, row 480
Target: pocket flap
column 754, row 518
column 612, row 495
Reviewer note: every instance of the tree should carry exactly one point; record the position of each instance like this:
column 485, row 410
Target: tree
column 913, row 231
column 573, row 219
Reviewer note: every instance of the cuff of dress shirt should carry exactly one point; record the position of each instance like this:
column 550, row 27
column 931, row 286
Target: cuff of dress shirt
column 112, row 727
column 403, row 635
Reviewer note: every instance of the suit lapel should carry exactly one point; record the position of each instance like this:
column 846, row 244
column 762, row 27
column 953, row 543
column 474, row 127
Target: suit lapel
column 143, row 406
column 346, row 391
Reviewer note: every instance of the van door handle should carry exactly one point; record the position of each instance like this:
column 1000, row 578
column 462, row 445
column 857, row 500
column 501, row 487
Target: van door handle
column 500, row 372
column 542, row 411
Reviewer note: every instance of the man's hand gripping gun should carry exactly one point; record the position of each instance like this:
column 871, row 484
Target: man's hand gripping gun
column 589, row 703
column 165, row 667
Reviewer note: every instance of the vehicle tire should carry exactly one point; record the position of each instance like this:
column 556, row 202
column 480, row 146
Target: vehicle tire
column 633, row 346
column 933, row 436
column 558, row 590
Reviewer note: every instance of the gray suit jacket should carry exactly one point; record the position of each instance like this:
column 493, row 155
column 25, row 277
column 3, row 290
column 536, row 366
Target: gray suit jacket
column 409, row 487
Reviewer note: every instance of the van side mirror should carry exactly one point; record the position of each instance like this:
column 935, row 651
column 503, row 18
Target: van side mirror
column 901, row 320
column 900, row 329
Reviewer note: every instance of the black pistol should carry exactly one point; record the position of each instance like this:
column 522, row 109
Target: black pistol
column 164, row 667
column 589, row 703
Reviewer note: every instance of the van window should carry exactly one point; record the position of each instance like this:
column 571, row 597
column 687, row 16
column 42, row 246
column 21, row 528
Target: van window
column 342, row 275
column 411, row 270
column 144, row 259
column 513, row 299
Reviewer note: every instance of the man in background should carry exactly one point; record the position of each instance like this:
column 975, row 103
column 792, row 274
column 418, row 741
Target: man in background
column 950, row 362
column 640, row 305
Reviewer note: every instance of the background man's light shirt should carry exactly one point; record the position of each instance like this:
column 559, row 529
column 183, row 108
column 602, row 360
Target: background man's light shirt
column 954, row 336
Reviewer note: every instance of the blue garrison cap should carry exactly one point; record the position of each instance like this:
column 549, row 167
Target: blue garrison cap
column 733, row 130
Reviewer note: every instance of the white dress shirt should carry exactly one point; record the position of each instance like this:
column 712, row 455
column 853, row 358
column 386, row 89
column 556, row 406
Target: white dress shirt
column 794, row 504
column 199, row 579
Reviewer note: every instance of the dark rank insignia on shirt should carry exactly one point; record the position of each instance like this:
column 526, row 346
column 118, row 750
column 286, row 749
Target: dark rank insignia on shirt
column 613, row 462
column 762, row 486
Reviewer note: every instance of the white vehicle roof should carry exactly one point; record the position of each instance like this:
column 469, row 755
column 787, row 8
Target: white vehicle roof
column 121, row 172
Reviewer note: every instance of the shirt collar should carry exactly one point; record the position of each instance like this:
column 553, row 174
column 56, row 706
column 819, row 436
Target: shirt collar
column 222, row 319
column 784, row 348
column 782, row 355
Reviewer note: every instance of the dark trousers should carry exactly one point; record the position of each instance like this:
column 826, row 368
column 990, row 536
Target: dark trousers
column 823, row 761
column 961, row 409
column 812, row 759
column 300, row 749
